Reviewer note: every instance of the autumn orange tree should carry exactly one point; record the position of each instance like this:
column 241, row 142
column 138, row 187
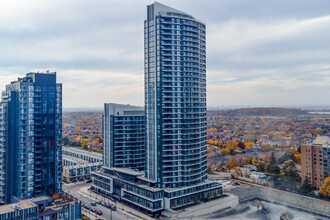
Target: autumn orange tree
column 246, row 161
column 325, row 188
column 248, row 144
column 266, row 159
column 232, row 163
column 254, row 160
column 212, row 130
column 214, row 143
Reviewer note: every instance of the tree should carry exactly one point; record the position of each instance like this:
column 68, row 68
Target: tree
column 96, row 141
column 272, row 159
column 254, row 160
column 96, row 136
column 65, row 140
column 292, row 157
column 248, row 145
column 246, row 161
column 298, row 158
column 238, row 172
column 267, row 147
column 232, row 163
column 212, row 130
column 261, row 167
column 299, row 149
column 306, row 187
column 266, row 159
column 274, row 168
column 289, row 168
column 84, row 143
column 241, row 145
column 325, row 188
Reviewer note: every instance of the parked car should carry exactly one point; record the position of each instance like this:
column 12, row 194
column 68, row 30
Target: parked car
column 113, row 207
column 93, row 209
column 88, row 181
column 236, row 184
column 99, row 202
column 99, row 212
column 252, row 170
column 93, row 204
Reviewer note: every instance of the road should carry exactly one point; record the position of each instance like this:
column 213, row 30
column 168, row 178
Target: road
column 116, row 215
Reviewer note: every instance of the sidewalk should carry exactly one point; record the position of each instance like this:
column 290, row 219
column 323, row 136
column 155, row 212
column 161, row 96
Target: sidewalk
column 120, row 207
column 91, row 215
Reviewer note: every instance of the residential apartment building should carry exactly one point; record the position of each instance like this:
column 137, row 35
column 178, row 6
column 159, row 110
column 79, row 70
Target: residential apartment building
column 91, row 157
column 315, row 161
column 123, row 136
column 80, row 172
column 43, row 208
column 175, row 97
column 175, row 120
column 72, row 161
column 31, row 138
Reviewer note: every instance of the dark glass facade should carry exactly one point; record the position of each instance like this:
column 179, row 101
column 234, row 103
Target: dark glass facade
column 31, row 137
column 175, row 97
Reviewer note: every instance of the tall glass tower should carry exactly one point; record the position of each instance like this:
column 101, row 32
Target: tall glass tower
column 175, row 97
column 31, row 138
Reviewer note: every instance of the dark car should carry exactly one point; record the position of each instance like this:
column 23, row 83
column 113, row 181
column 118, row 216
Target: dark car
column 88, row 181
column 99, row 202
column 100, row 213
column 236, row 184
column 93, row 204
column 113, row 207
column 252, row 170
column 93, row 209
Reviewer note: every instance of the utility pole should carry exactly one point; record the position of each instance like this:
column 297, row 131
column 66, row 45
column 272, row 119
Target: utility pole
column 110, row 213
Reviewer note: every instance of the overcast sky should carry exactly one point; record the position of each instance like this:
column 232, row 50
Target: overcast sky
column 264, row 53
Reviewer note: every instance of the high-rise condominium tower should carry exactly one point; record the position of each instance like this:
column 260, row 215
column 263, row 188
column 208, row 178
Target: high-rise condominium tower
column 175, row 121
column 175, row 97
column 31, row 138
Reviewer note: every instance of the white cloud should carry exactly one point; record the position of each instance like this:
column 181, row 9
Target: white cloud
column 256, row 52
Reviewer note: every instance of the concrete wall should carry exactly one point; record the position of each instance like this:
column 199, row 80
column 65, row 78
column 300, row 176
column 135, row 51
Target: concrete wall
column 231, row 201
column 273, row 195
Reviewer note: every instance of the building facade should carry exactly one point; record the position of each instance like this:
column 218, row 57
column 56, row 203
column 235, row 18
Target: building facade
column 80, row 172
column 31, row 138
column 175, row 97
column 43, row 208
column 123, row 136
column 315, row 161
column 91, row 157
column 175, row 120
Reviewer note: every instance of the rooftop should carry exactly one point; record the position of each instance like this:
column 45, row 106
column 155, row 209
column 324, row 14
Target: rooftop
column 73, row 159
column 323, row 140
column 23, row 204
column 83, row 165
column 84, row 152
